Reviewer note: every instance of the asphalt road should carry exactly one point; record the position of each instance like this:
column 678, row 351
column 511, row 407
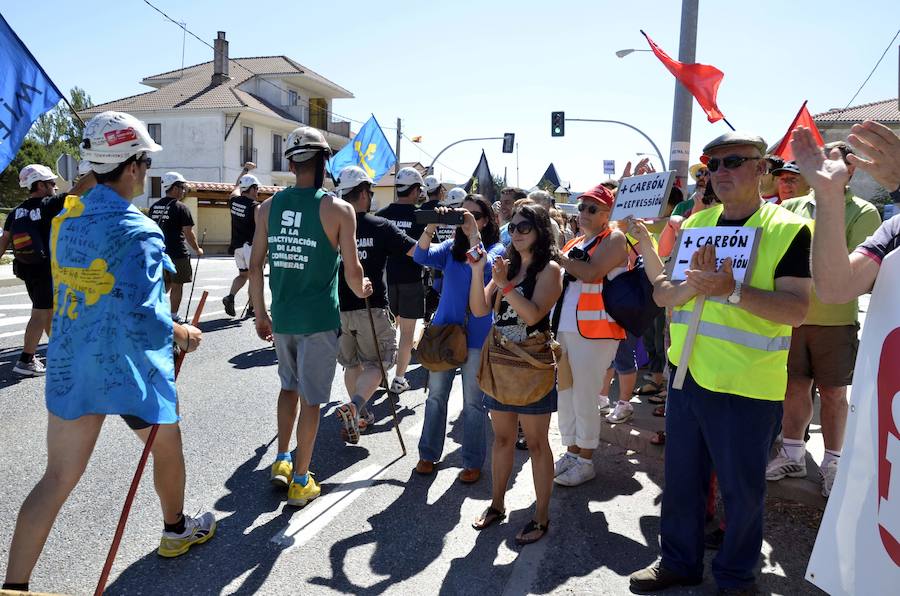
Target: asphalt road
column 377, row 528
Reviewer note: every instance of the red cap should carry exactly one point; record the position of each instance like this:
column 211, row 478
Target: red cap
column 599, row 194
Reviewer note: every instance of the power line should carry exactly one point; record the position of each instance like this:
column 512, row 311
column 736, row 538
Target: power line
column 418, row 146
column 237, row 62
column 873, row 70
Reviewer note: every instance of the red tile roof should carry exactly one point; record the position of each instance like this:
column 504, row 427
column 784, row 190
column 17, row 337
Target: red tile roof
column 886, row 112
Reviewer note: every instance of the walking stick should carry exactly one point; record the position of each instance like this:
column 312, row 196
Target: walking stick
column 384, row 377
column 194, row 281
column 135, row 481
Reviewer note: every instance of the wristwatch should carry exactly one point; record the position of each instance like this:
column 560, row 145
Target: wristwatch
column 735, row 296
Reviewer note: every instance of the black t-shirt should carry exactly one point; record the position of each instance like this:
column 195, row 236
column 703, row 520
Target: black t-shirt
column 40, row 211
column 377, row 239
column 794, row 262
column 171, row 215
column 243, row 221
column 402, row 269
column 884, row 241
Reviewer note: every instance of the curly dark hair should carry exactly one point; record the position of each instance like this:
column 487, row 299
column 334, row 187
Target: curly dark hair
column 490, row 234
column 544, row 248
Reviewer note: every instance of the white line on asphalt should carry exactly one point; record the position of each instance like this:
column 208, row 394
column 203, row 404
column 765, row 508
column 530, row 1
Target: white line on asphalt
column 13, row 294
column 16, row 307
column 12, row 333
column 318, row 514
column 209, row 314
column 7, row 321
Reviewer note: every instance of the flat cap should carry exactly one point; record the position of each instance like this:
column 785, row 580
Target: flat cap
column 737, row 138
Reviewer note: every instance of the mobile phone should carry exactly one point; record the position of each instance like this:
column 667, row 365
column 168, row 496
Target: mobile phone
column 430, row 216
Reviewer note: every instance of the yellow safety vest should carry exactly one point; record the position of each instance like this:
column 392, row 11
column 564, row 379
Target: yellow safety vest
column 735, row 351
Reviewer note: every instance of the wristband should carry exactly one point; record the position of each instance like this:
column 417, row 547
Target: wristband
column 509, row 288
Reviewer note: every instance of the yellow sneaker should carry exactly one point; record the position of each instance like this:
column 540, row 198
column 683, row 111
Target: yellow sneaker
column 299, row 496
column 282, row 471
column 196, row 531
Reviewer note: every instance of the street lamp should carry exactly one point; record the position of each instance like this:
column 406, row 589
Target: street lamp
column 623, row 53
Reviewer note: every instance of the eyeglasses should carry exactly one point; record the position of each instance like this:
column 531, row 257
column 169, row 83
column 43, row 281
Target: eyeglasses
column 523, row 227
column 702, row 173
column 732, row 162
column 144, row 160
column 592, row 209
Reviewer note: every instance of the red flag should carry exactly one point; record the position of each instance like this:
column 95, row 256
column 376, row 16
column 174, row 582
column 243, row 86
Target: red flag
column 803, row 118
column 702, row 80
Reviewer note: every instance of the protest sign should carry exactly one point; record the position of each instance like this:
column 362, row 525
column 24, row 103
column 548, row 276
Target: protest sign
column 609, row 166
column 642, row 197
column 857, row 550
column 738, row 243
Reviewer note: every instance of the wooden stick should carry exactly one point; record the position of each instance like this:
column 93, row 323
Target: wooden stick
column 688, row 347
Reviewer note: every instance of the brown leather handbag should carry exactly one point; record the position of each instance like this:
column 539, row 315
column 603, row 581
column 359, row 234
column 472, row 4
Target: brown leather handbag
column 442, row 347
column 517, row 373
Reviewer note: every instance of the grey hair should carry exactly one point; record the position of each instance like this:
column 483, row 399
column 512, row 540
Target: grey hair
column 541, row 197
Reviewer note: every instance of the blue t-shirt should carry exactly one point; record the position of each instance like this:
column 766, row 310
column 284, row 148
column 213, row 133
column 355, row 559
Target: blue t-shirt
column 110, row 349
column 454, row 302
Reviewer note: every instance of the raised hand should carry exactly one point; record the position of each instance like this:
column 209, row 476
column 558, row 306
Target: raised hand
column 827, row 175
column 882, row 146
column 500, row 272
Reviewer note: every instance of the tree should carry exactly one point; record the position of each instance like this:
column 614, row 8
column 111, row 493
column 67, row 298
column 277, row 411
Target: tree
column 56, row 132
column 499, row 184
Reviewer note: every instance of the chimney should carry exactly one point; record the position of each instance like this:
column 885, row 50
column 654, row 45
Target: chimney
column 220, row 60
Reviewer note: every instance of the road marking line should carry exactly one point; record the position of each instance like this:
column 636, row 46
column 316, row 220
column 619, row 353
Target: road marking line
column 13, row 294
column 318, row 514
column 7, row 321
column 16, row 306
column 12, row 333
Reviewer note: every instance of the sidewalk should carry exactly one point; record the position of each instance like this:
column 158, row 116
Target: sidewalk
column 637, row 432
column 7, row 278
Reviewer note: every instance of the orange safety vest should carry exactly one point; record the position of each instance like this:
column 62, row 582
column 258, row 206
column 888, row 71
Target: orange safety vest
column 593, row 321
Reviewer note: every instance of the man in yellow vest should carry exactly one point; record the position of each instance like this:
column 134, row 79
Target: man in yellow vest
column 726, row 415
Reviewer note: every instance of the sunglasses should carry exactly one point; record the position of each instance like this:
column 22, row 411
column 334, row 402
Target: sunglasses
column 478, row 215
column 702, row 173
column 592, row 209
column 144, row 160
column 523, row 227
column 732, row 162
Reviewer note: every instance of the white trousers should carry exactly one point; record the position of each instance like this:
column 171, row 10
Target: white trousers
column 578, row 413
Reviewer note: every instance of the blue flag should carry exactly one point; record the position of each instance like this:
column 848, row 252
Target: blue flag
column 26, row 92
column 369, row 150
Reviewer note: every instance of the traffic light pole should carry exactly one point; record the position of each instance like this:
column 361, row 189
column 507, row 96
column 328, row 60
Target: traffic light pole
column 634, row 128
column 441, row 152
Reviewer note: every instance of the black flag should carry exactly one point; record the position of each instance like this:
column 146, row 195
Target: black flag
column 481, row 182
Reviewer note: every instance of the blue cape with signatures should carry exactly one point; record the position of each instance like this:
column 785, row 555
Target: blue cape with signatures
column 110, row 349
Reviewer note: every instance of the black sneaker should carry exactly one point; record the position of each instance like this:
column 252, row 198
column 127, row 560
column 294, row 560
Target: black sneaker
column 228, row 302
column 657, row 578
column 178, row 319
column 713, row 540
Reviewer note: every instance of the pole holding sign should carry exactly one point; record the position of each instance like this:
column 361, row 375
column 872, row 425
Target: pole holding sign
column 738, row 243
column 643, row 197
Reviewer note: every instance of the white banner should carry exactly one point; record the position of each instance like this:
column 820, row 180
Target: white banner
column 642, row 197
column 857, row 550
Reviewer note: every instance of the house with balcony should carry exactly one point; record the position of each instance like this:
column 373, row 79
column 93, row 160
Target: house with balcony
column 211, row 118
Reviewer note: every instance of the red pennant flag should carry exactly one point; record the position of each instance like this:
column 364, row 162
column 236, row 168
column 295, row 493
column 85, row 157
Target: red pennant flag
column 803, row 118
column 702, row 80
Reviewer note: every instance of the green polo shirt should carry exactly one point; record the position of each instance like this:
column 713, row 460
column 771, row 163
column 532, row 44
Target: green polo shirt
column 861, row 219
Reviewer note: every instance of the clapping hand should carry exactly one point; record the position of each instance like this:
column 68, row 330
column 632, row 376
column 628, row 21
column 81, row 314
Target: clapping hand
column 500, row 272
column 638, row 230
column 827, row 175
column 882, row 146
column 705, row 278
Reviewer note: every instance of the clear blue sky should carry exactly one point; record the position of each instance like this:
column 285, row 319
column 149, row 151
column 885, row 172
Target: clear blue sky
column 481, row 68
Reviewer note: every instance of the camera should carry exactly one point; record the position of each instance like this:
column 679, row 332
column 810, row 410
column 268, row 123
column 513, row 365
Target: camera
column 576, row 254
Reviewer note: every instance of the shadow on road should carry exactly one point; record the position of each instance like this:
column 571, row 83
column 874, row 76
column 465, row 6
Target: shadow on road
column 8, row 358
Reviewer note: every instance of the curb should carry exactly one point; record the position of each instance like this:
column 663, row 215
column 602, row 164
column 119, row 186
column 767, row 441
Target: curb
column 806, row 491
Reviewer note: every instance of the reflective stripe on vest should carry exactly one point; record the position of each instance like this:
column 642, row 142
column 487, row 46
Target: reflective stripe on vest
column 590, row 313
column 737, row 352
column 736, row 336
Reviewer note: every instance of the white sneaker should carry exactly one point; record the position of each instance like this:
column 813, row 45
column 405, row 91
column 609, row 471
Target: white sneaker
column 399, row 385
column 197, row 530
column 622, row 413
column 603, row 402
column 781, row 466
column 35, row 368
column 579, row 473
column 828, row 474
column 566, row 461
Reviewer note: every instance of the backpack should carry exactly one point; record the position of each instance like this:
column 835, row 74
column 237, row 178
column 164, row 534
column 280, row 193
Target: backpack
column 628, row 298
column 28, row 243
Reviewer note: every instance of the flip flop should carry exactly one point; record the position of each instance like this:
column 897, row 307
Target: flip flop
column 659, row 438
column 659, row 398
column 660, row 411
column 650, row 388
column 530, row 528
column 488, row 518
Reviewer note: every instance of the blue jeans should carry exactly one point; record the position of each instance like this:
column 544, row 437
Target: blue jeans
column 706, row 430
column 474, row 415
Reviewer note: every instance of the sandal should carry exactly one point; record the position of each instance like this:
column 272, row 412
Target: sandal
column 659, row 438
column 660, row 411
column 530, row 528
column 659, row 398
column 650, row 388
column 488, row 518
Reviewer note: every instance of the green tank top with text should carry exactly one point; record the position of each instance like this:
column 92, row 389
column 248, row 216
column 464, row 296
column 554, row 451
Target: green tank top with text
column 303, row 265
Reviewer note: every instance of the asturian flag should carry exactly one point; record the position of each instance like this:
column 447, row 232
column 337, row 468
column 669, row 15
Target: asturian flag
column 369, row 150
column 26, row 92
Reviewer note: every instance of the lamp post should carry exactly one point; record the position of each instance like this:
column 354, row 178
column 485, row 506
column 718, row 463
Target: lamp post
column 623, row 53
column 634, row 128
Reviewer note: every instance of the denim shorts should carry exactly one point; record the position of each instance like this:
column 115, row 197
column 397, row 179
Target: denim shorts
column 625, row 361
column 545, row 405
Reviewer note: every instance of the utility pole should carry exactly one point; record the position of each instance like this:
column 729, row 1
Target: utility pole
column 397, row 163
column 517, row 164
column 680, row 152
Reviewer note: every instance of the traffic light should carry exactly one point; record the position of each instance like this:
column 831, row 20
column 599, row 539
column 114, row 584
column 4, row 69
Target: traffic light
column 557, row 124
column 509, row 141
